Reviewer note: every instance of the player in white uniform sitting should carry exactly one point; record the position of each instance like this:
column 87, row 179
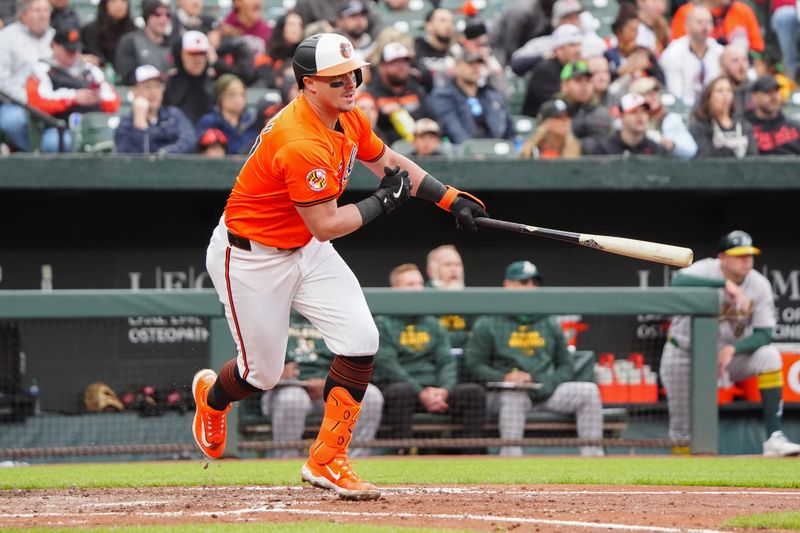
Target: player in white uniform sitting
column 746, row 323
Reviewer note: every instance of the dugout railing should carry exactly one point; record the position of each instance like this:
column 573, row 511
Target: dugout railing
column 68, row 305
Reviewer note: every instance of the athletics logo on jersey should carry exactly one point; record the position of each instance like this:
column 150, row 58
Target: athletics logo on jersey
column 316, row 179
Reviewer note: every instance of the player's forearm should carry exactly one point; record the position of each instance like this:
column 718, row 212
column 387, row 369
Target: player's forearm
column 329, row 224
column 687, row 280
column 760, row 337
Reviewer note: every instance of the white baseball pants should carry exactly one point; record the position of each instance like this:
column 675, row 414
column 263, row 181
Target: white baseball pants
column 259, row 287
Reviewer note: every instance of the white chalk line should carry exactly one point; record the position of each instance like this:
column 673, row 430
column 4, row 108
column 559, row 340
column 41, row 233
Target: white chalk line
column 372, row 514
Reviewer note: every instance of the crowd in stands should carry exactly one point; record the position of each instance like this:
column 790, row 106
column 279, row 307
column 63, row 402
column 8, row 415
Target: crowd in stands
column 690, row 79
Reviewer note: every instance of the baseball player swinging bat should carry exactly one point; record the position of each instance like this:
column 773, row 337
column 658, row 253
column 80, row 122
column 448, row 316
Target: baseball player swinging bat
column 649, row 251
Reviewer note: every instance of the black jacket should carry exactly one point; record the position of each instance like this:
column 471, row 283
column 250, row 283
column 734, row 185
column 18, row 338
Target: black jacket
column 192, row 94
column 777, row 136
column 545, row 82
column 614, row 145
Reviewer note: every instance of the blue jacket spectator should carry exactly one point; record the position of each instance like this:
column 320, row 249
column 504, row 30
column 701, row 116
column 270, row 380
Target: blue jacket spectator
column 466, row 111
column 153, row 128
column 239, row 124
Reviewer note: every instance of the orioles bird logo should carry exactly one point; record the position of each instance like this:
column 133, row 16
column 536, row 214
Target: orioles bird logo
column 346, row 50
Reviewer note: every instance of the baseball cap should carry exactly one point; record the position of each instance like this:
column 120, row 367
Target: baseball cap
column 212, row 136
column 149, row 7
column 194, row 42
column 765, row 84
column 426, row 125
column 394, row 51
column 474, row 29
column 575, row 69
column 467, row 56
column 553, row 108
column 69, row 37
column 631, row 102
column 644, row 85
column 522, row 270
column 566, row 34
column 354, row 7
column 738, row 243
column 147, row 72
column 562, row 8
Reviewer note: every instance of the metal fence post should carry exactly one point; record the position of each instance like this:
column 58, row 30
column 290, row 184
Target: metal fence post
column 703, row 403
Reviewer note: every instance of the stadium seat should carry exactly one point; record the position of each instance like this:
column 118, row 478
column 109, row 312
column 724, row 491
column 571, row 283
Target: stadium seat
column 402, row 147
column 487, row 149
column 256, row 95
column 96, row 133
column 524, row 125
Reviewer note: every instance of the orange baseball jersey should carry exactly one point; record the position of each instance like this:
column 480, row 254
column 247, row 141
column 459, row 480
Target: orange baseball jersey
column 296, row 161
column 739, row 18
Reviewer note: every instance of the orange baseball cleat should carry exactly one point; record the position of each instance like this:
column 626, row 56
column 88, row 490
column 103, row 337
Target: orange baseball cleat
column 328, row 466
column 209, row 427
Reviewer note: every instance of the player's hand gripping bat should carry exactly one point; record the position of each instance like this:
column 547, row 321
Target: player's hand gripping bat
column 649, row 251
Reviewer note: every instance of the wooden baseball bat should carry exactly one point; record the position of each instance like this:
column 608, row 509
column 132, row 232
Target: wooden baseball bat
column 649, row 251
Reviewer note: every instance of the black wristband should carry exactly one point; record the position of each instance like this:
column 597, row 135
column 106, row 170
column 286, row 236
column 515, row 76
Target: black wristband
column 370, row 209
column 431, row 189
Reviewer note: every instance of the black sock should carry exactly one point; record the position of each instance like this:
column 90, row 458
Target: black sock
column 230, row 387
column 351, row 373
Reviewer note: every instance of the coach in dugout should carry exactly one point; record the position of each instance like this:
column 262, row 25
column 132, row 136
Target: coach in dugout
column 746, row 322
column 522, row 350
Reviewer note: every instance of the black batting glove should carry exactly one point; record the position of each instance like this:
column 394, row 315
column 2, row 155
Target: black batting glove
column 466, row 211
column 394, row 190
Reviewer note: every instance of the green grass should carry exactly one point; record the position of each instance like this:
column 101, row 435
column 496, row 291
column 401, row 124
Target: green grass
column 295, row 527
column 788, row 520
column 667, row 470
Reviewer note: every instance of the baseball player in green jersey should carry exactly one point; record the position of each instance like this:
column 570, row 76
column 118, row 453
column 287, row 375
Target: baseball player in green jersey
column 445, row 271
column 526, row 349
column 746, row 322
column 416, row 370
column 299, row 393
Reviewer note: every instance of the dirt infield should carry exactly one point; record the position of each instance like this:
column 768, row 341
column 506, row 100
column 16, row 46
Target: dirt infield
column 539, row 508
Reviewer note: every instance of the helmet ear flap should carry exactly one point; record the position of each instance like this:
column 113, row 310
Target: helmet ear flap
column 359, row 77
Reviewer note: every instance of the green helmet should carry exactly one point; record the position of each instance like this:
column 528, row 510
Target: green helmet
column 738, row 242
column 522, row 270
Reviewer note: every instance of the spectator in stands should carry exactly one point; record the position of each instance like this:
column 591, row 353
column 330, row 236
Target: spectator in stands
column 527, row 349
column 691, row 61
column 734, row 65
column 520, row 21
column 734, row 22
column 427, row 138
column 553, row 138
column 770, row 64
column 153, row 128
column 653, row 30
column 62, row 16
column 352, row 22
column 68, row 84
column 245, row 20
column 398, row 5
column 601, row 77
column 467, row 111
column 783, row 21
column 235, row 57
column 628, row 61
column 631, row 139
column 286, row 35
column 315, row 10
column 212, row 143
column 366, row 103
column 475, row 39
column 590, row 121
column 101, row 36
column 545, row 79
column 666, row 128
column 299, row 392
column 564, row 12
column 400, row 98
column 417, row 372
column 22, row 45
column 773, row 132
column 717, row 128
column 188, row 16
column 190, row 87
column 238, row 123
column 431, row 48
column 148, row 46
